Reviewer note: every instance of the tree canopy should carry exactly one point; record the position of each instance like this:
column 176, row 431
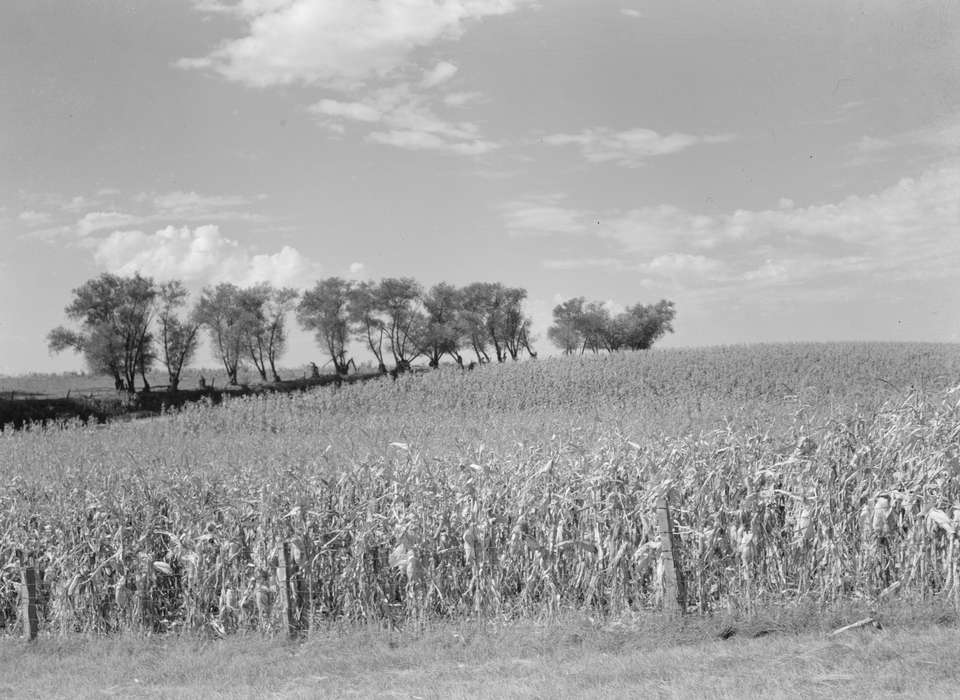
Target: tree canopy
column 579, row 325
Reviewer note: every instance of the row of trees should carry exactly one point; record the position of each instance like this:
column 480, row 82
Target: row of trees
column 579, row 325
column 129, row 325
column 397, row 319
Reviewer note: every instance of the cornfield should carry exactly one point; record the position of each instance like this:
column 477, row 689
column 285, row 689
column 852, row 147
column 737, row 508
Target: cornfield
column 520, row 490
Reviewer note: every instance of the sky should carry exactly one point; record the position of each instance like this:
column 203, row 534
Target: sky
column 781, row 170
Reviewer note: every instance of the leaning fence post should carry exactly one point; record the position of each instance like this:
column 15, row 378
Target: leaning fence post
column 29, row 598
column 674, row 592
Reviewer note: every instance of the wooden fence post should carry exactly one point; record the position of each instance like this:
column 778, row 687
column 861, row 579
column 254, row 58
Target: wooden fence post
column 29, row 599
column 674, row 591
column 293, row 593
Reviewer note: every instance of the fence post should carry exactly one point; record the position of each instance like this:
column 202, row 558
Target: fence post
column 29, row 598
column 674, row 591
column 292, row 591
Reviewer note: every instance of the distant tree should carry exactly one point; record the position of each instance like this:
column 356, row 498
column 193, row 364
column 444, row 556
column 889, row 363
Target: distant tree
column 478, row 301
column 115, row 314
column 443, row 328
column 364, row 314
column 589, row 326
column 398, row 301
column 596, row 327
column 325, row 310
column 231, row 315
column 641, row 326
column 179, row 337
column 510, row 326
column 267, row 308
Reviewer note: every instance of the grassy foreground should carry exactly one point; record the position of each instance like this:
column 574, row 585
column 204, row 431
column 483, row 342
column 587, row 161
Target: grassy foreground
column 643, row 656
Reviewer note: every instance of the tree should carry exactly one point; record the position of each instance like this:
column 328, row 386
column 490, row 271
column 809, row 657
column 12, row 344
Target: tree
column 231, row 315
column 443, row 328
column 510, row 325
column 589, row 325
column 397, row 299
column 565, row 332
column 267, row 308
column 115, row 314
column 596, row 328
column 643, row 325
column 179, row 337
column 477, row 308
column 279, row 305
column 325, row 309
column 363, row 304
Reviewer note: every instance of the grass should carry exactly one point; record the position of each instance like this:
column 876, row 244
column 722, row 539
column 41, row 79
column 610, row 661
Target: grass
column 576, row 656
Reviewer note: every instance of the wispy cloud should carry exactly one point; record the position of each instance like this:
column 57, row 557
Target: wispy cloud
column 34, row 218
column 543, row 215
column 406, row 120
column 935, row 139
column 82, row 217
column 461, row 99
column 904, row 232
column 632, row 147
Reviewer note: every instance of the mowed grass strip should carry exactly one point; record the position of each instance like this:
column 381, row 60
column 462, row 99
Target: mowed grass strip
column 468, row 660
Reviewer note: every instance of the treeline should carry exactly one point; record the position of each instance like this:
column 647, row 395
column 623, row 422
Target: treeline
column 128, row 326
column 579, row 325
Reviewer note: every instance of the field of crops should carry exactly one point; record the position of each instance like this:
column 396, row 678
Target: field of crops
column 796, row 473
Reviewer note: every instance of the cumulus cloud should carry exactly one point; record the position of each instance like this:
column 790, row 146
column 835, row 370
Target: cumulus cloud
column 631, row 147
column 202, row 255
column 338, row 42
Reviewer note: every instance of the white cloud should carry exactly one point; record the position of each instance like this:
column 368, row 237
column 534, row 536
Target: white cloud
column 440, row 73
column 187, row 204
column 631, row 147
column 868, row 144
column 684, row 263
column 409, row 122
column 357, row 111
column 542, row 215
column 336, row 42
column 461, row 99
column 202, row 255
column 583, row 263
column 635, row 14
column 34, row 218
column 94, row 221
column 907, row 231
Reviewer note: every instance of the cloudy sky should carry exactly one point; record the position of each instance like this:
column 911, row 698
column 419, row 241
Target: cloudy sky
column 782, row 170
